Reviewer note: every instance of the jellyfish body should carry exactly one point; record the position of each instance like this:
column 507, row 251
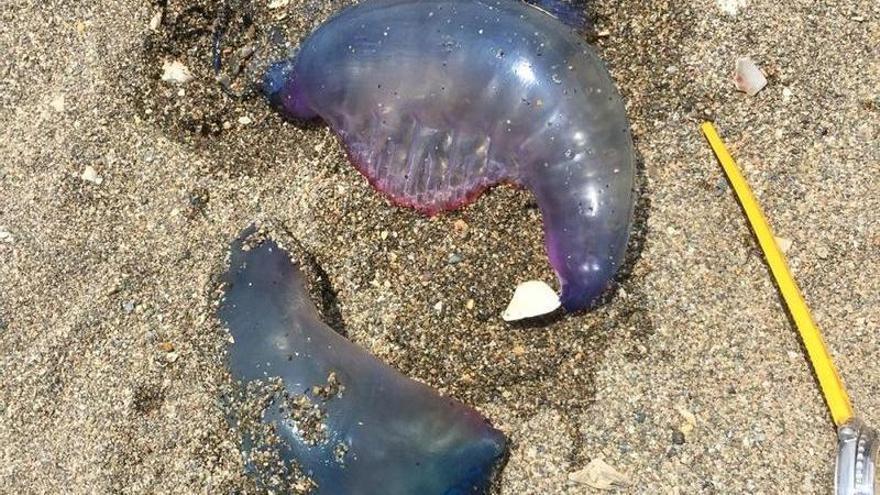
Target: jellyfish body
column 436, row 100
column 350, row 423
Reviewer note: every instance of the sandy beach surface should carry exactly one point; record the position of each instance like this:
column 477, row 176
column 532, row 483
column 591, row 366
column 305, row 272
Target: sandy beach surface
column 120, row 193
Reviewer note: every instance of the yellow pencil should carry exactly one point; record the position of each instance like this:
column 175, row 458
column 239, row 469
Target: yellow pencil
column 829, row 380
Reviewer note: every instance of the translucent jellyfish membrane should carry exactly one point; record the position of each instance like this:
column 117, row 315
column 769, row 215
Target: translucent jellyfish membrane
column 436, row 100
column 327, row 417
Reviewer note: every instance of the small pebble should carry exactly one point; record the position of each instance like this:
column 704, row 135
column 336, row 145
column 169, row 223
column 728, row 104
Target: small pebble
column 784, row 244
column 245, row 120
column 731, row 7
column 176, row 73
column 454, row 258
column 89, row 174
column 57, row 103
column 156, row 20
column 690, row 420
column 678, row 437
column 166, row 347
column 6, row 236
column 128, row 306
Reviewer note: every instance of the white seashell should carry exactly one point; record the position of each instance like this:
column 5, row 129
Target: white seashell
column 748, row 77
column 531, row 299
column 176, row 72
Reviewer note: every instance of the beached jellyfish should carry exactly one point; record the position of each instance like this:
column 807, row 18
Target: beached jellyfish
column 329, row 418
column 436, row 100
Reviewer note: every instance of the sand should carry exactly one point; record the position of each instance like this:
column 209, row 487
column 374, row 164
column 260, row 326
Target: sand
column 690, row 379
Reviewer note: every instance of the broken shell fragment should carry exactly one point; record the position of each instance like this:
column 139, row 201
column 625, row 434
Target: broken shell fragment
column 176, row 73
column 599, row 475
column 748, row 77
column 326, row 417
column 531, row 299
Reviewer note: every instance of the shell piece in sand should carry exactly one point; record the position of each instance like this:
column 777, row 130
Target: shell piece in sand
column 531, row 299
column 748, row 77
column 175, row 72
